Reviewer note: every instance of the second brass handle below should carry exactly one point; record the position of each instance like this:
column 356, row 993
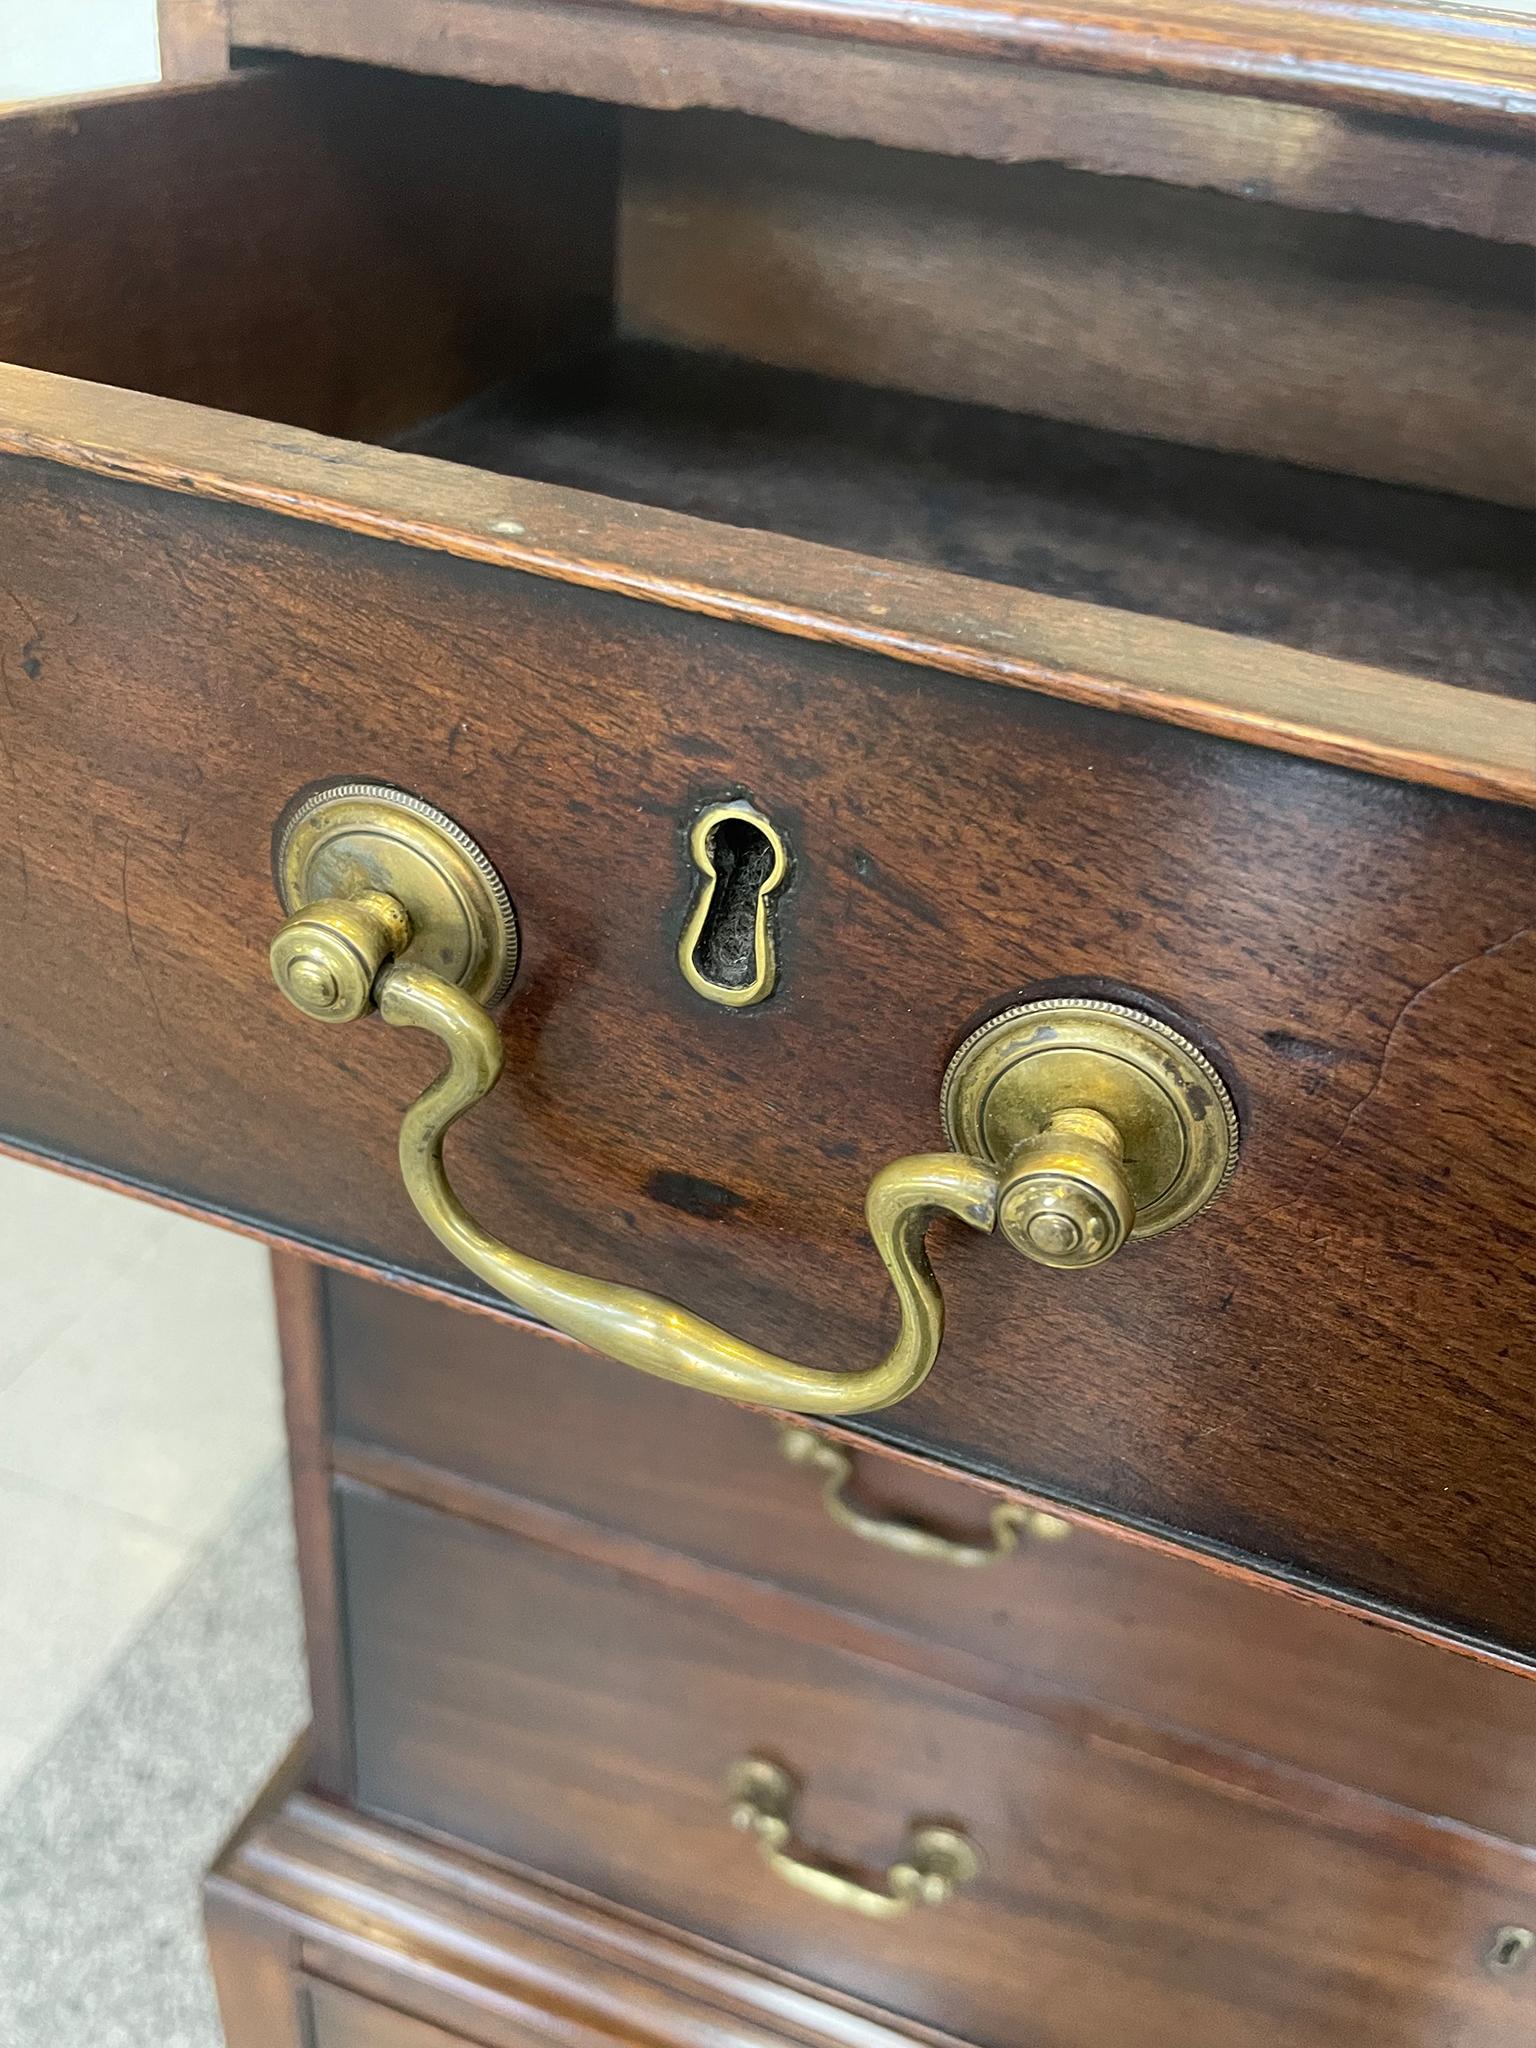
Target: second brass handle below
column 1009, row 1521
column 935, row 1863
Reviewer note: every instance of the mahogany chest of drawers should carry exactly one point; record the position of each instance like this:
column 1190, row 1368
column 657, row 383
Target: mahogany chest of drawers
column 908, row 633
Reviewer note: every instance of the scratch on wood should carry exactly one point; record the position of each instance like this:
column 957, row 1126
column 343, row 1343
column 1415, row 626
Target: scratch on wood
column 19, row 915
column 1378, row 1078
column 1420, row 995
column 133, row 947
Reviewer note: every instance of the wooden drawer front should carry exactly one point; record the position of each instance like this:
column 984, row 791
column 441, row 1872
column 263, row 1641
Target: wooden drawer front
column 570, row 1717
column 338, row 2019
column 1329, row 1369
column 1172, row 1638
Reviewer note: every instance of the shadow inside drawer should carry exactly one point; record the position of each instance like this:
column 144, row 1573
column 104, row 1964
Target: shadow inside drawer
column 1399, row 578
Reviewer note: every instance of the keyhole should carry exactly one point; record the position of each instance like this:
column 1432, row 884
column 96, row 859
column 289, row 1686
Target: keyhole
column 728, row 951
column 1509, row 1950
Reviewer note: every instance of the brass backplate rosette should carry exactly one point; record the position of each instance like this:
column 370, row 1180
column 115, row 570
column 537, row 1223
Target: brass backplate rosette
column 1173, row 1113
column 346, row 838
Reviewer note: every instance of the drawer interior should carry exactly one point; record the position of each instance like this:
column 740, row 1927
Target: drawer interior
column 1304, row 428
column 1404, row 579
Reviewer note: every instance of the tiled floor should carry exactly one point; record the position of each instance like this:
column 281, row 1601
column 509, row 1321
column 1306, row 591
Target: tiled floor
column 140, row 1434
column 150, row 1669
column 75, row 45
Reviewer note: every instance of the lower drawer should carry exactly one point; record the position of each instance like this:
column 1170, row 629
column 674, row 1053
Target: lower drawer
column 329, row 1930
column 1163, row 1636
column 340, row 2019
column 576, row 1719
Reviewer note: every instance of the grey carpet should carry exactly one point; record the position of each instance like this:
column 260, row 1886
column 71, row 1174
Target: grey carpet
column 103, row 1844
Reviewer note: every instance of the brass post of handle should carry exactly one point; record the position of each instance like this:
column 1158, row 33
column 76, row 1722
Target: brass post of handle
column 937, row 1860
column 1073, row 1126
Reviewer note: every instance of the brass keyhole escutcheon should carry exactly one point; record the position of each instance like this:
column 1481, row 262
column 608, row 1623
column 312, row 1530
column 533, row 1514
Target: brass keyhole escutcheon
column 728, row 952
column 1104, row 1125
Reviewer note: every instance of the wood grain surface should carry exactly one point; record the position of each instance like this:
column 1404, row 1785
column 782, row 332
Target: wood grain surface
column 918, row 97
column 1386, row 723
column 340, row 2019
column 253, row 1957
column 1456, row 63
column 1305, row 1789
column 1091, row 1615
column 1412, row 582
column 302, row 1334
column 253, row 1940
column 552, row 1712
column 353, row 1909
column 1347, row 345
column 156, row 292
column 1329, row 1370
column 332, row 248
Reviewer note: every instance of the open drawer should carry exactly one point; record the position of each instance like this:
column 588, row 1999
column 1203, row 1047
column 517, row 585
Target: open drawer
column 1034, row 703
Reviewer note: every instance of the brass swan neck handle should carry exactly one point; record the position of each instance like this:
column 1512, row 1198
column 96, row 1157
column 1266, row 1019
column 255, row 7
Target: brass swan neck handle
column 1067, row 1133
column 641, row 1329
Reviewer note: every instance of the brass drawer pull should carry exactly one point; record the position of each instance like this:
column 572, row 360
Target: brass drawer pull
column 936, row 1863
column 804, row 1447
column 1073, row 1125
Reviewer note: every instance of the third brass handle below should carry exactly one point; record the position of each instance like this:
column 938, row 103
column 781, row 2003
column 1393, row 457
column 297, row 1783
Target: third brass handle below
column 1072, row 1125
column 935, row 1863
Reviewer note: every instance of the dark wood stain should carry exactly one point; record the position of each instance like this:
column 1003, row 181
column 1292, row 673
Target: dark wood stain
column 1371, row 1251
column 303, row 1337
column 1255, row 691
column 1144, row 1633
column 405, row 294
column 318, row 1916
column 692, row 1194
column 553, row 1711
column 547, row 1602
column 359, row 293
